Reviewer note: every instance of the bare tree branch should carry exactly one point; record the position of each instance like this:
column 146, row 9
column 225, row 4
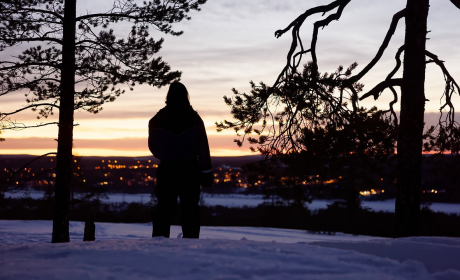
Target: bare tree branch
column 320, row 9
column 7, row 186
column 18, row 187
column 386, row 41
column 25, row 165
column 296, row 24
column 391, row 109
column 323, row 23
column 447, row 125
column 443, row 68
column 380, row 87
column 398, row 63
column 456, row 3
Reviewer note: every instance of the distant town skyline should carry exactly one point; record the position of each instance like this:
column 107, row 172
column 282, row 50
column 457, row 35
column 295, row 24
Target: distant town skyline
column 228, row 44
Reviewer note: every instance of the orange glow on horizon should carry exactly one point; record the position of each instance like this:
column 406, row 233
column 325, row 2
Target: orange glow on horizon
column 220, row 145
column 135, row 153
column 123, row 153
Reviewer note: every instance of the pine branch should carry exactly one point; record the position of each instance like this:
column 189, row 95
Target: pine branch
column 12, row 41
column 48, row 12
column 32, row 84
column 20, row 126
column 103, row 15
column 21, row 65
column 34, row 106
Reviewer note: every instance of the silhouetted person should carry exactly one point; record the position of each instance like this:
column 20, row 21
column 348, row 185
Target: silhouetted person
column 177, row 137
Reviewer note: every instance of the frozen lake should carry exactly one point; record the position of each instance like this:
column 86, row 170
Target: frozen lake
column 240, row 200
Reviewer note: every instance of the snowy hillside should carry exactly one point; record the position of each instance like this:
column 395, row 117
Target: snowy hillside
column 125, row 251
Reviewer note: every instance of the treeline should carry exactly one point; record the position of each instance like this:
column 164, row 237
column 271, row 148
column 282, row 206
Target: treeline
column 325, row 221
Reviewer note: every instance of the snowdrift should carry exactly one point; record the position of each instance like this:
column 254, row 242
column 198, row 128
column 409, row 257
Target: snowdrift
column 125, row 251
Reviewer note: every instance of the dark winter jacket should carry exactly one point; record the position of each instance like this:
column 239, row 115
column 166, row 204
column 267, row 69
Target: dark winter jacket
column 178, row 133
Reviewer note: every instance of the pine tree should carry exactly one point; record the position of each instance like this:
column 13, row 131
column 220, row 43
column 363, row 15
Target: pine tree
column 283, row 135
column 67, row 51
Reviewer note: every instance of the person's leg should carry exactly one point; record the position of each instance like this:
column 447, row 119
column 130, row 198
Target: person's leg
column 189, row 203
column 167, row 203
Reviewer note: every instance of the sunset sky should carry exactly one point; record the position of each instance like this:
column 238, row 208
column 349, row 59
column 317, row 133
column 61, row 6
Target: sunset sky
column 228, row 44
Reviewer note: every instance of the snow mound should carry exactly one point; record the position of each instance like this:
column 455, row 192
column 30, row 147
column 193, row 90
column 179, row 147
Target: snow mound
column 197, row 259
column 125, row 251
column 437, row 253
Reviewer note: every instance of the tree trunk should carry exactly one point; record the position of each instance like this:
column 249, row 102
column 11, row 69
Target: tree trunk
column 411, row 121
column 66, row 112
column 89, row 233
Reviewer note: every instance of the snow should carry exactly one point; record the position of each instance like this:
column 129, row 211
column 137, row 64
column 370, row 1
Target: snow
column 422, row 249
column 17, row 232
column 241, row 200
column 125, row 251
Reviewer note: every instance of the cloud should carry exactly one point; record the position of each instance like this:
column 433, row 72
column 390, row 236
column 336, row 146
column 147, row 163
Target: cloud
column 135, row 144
column 220, row 145
column 231, row 42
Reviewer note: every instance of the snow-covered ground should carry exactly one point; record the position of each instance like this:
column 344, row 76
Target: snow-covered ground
column 241, row 200
column 125, row 251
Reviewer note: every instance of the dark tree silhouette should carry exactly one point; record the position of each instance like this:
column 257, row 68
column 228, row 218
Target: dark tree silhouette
column 83, row 53
column 340, row 107
column 456, row 3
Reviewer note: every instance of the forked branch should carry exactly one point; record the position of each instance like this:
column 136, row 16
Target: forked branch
column 450, row 88
column 297, row 23
column 443, row 68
